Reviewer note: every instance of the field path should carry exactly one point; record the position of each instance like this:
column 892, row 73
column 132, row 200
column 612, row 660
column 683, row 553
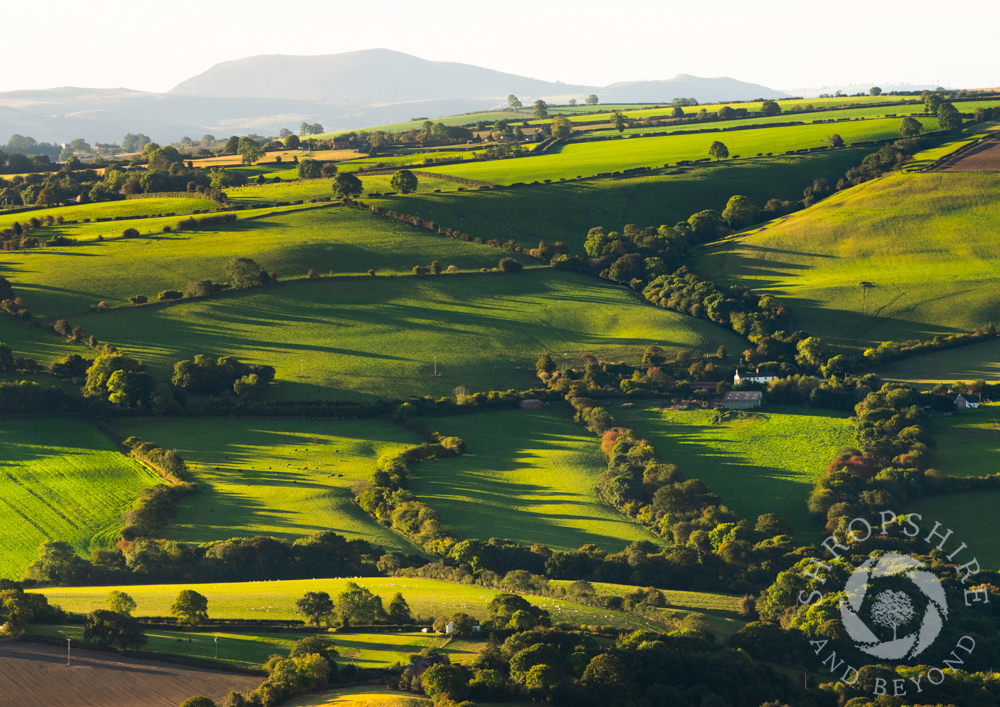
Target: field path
column 38, row 675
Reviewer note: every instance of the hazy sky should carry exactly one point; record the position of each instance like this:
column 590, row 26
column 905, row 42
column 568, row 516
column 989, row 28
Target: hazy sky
column 779, row 43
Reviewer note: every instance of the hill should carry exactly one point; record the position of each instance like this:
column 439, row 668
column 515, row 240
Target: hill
column 906, row 256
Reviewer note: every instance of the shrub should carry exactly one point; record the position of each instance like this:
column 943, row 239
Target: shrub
column 138, row 299
column 169, row 295
column 510, row 265
column 130, row 233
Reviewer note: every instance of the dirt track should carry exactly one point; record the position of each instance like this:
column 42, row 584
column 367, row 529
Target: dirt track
column 984, row 157
column 32, row 674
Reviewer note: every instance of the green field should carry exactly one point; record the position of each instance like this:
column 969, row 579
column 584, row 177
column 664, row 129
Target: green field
column 926, row 244
column 282, row 478
column 758, row 462
column 66, row 282
column 968, row 442
column 566, row 211
column 588, row 159
column 527, row 476
column 62, row 480
column 965, row 363
column 276, row 600
column 350, row 338
column 255, row 196
column 129, row 208
column 973, row 517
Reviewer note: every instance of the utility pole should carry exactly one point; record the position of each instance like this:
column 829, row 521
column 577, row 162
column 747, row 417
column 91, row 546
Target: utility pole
column 67, row 651
column 216, row 645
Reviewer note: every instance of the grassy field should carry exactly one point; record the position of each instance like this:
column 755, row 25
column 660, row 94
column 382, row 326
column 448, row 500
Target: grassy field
column 129, row 208
column 592, row 158
column 255, row 196
column 351, row 338
column 250, row 650
column 968, row 442
column 926, row 244
column 527, row 476
column 67, row 281
column 759, row 462
column 566, row 211
column 974, row 519
column 966, row 363
column 276, row 600
column 61, row 481
column 282, row 478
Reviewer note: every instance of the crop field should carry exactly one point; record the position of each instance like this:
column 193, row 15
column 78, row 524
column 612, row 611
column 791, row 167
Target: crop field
column 281, row 478
column 966, row 363
column 528, row 476
column 351, row 338
column 33, row 674
column 62, row 481
column 565, row 211
column 857, row 273
column 128, row 208
column 276, row 600
column 588, row 159
column 287, row 158
column 973, row 517
column 757, row 462
column 66, row 281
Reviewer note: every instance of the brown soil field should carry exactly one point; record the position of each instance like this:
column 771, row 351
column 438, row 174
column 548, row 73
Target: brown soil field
column 984, row 157
column 32, row 674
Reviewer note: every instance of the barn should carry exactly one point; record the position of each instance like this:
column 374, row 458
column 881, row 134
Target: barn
column 742, row 399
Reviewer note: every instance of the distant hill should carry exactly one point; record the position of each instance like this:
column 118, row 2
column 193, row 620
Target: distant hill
column 263, row 94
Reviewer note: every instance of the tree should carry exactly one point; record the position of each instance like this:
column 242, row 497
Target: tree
column 591, row 100
column 605, row 670
column 444, row 680
column 309, row 169
column 653, row 356
column 510, row 265
column 892, row 610
column 726, row 113
column 107, row 628
column 541, row 109
column 134, row 143
column 740, row 212
column 57, row 563
column 561, row 126
column 572, row 101
column 718, row 150
column 514, row 102
column 245, row 272
column 545, row 364
column 249, row 151
column 399, row 611
column 346, row 185
column 314, row 645
column 770, row 108
column 835, row 140
column 910, row 127
column 948, row 117
column 292, row 142
column 198, row 701
column 462, row 624
column 932, row 101
column 6, row 359
column 677, row 112
column 190, row 607
column 404, row 181
column 231, row 146
column 357, row 605
column 316, row 606
column 618, row 121
column 875, row 91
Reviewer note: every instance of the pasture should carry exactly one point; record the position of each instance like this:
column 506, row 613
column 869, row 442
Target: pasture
column 64, row 481
column 965, row 363
column 565, row 211
column 972, row 516
column 67, row 281
column 757, row 462
column 129, row 208
column 276, row 600
column 344, row 338
column 857, row 272
column 285, row 192
column 528, row 476
column 590, row 158
column 968, row 442
column 280, row 478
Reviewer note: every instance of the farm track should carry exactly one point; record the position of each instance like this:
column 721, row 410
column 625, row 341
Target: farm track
column 38, row 675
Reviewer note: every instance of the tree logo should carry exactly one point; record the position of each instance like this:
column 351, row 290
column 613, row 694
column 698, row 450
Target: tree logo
column 893, row 609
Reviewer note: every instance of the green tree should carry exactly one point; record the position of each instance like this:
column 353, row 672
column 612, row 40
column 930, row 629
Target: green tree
column 835, row 140
column 309, row 169
column 740, row 212
column 875, row 91
column 572, row 101
column 245, row 272
column 314, row 645
column 514, row 102
column 292, row 142
column 107, row 628
column 130, row 389
column 316, row 606
column 653, row 356
column 605, row 670
column 249, row 150
column 399, row 611
column 591, row 100
column 910, row 127
column 120, row 602
column 101, row 370
column 357, row 605
column 198, row 701
column 6, row 359
column 932, row 101
column 561, row 126
column 677, row 112
column 541, row 109
column 726, row 113
column 618, row 121
column 444, row 681
column 540, row 677
column 812, row 352
column 462, row 624
column 510, row 265
column 404, row 181
column 190, row 607
column 231, row 146
column 346, row 185
column 545, row 364
column 770, row 108
column 718, row 150
column 948, row 117
column 57, row 563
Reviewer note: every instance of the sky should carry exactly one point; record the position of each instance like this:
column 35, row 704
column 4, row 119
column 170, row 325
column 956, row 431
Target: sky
column 782, row 44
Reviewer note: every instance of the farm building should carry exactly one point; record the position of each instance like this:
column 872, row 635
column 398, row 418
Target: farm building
column 964, row 401
column 532, row 404
column 742, row 399
column 755, row 378
column 340, row 144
